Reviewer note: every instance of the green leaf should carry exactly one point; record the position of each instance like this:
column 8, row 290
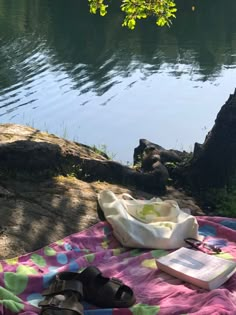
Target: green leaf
column 131, row 24
column 163, row 10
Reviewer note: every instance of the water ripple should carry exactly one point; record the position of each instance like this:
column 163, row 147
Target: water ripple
column 25, row 67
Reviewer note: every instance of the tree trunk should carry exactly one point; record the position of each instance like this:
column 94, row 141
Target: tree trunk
column 214, row 162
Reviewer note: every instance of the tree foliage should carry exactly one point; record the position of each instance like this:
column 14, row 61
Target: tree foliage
column 162, row 10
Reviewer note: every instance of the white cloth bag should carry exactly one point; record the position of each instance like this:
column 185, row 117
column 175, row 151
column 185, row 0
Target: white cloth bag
column 147, row 223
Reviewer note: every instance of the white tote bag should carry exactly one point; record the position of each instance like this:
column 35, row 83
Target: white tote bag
column 147, row 223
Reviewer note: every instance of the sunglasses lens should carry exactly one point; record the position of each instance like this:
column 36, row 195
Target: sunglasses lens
column 212, row 248
column 193, row 242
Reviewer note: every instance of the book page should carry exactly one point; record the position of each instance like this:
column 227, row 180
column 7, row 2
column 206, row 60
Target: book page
column 197, row 264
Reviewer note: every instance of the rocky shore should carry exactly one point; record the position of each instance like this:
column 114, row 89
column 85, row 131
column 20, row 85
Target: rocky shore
column 49, row 186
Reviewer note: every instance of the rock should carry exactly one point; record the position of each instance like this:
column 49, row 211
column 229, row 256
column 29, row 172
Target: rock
column 165, row 155
column 24, row 150
column 153, row 159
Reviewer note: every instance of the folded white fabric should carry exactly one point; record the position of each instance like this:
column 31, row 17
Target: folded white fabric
column 147, row 223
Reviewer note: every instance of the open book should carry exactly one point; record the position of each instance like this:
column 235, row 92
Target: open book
column 203, row 270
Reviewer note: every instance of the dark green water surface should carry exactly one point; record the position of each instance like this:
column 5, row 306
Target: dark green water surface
column 87, row 79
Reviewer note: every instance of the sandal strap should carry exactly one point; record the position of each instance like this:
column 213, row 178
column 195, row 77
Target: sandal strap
column 117, row 281
column 62, row 302
column 88, row 274
column 119, row 287
column 59, row 286
column 124, row 288
column 115, row 287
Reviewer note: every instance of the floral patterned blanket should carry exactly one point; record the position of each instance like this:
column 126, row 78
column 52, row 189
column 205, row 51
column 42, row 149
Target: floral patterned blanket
column 22, row 279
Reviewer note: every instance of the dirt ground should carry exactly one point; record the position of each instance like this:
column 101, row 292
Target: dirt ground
column 36, row 214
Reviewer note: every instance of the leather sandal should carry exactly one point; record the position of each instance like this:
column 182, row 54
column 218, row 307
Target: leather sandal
column 101, row 291
column 63, row 298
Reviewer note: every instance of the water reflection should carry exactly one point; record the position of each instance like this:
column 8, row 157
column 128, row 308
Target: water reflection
column 93, row 50
column 58, row 53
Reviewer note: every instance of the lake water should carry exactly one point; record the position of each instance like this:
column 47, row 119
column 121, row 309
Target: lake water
column 85, row 78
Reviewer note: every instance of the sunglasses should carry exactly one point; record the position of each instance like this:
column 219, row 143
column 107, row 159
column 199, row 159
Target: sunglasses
column 203, row 247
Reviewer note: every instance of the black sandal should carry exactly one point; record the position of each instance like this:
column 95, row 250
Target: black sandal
column 99, row 290
column 63, row 298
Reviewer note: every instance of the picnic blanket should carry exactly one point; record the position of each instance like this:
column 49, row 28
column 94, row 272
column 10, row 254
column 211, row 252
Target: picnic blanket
column 22, row 279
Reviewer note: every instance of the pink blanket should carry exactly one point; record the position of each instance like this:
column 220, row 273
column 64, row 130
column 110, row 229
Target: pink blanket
column 23, row 279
